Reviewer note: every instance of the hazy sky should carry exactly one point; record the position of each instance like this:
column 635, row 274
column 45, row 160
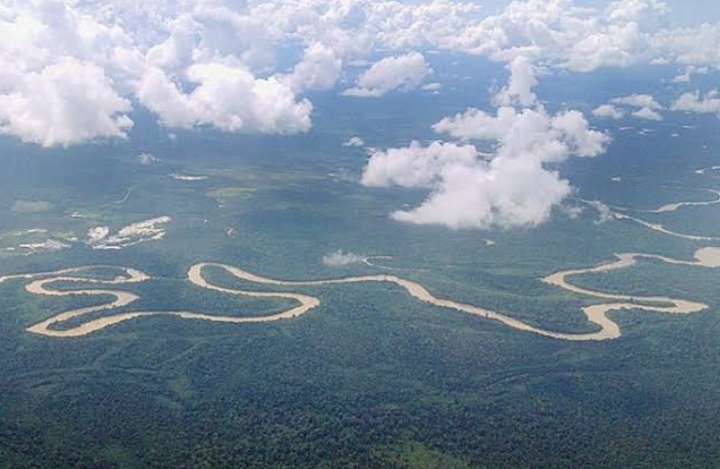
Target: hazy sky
column 684, row 12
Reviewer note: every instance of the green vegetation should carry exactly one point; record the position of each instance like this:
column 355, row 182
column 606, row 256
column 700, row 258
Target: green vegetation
column 372, row 379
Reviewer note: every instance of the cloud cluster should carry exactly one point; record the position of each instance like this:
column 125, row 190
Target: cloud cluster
column 64, row 103
column 691, row 70
column 695, row 102
column 516, row 187
column 57, row 70
column 319, row 69
column 229, row 98
column 647, row 114
column 404, row 73
column 70, row 71
column 639, row 100
column 520, row 88
column 608, row 111
column 562, row 33
column 645, row 107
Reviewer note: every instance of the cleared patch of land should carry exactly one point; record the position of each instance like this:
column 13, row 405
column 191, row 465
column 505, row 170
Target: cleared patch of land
column 31, row 206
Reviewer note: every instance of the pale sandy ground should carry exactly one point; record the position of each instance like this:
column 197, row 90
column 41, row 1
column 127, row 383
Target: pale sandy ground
column 597, row 314
column 708, row 257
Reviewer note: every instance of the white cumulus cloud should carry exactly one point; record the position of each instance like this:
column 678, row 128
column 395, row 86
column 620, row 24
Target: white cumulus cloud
column 229, row 98
column 64, row 103
column 416, row 165
column 635, row 10
column 434, row 87
column 516, row 187
column 608, row 111
column 319, row 69
column 695, row 102
column 520, row 88
column 404, row 73
column 226, row 64
column 639, row 100
column 647, row 114
column 354, row 142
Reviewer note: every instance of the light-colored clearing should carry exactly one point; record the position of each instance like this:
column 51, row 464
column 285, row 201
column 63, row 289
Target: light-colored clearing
column 31, row 206
column 709, row 257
